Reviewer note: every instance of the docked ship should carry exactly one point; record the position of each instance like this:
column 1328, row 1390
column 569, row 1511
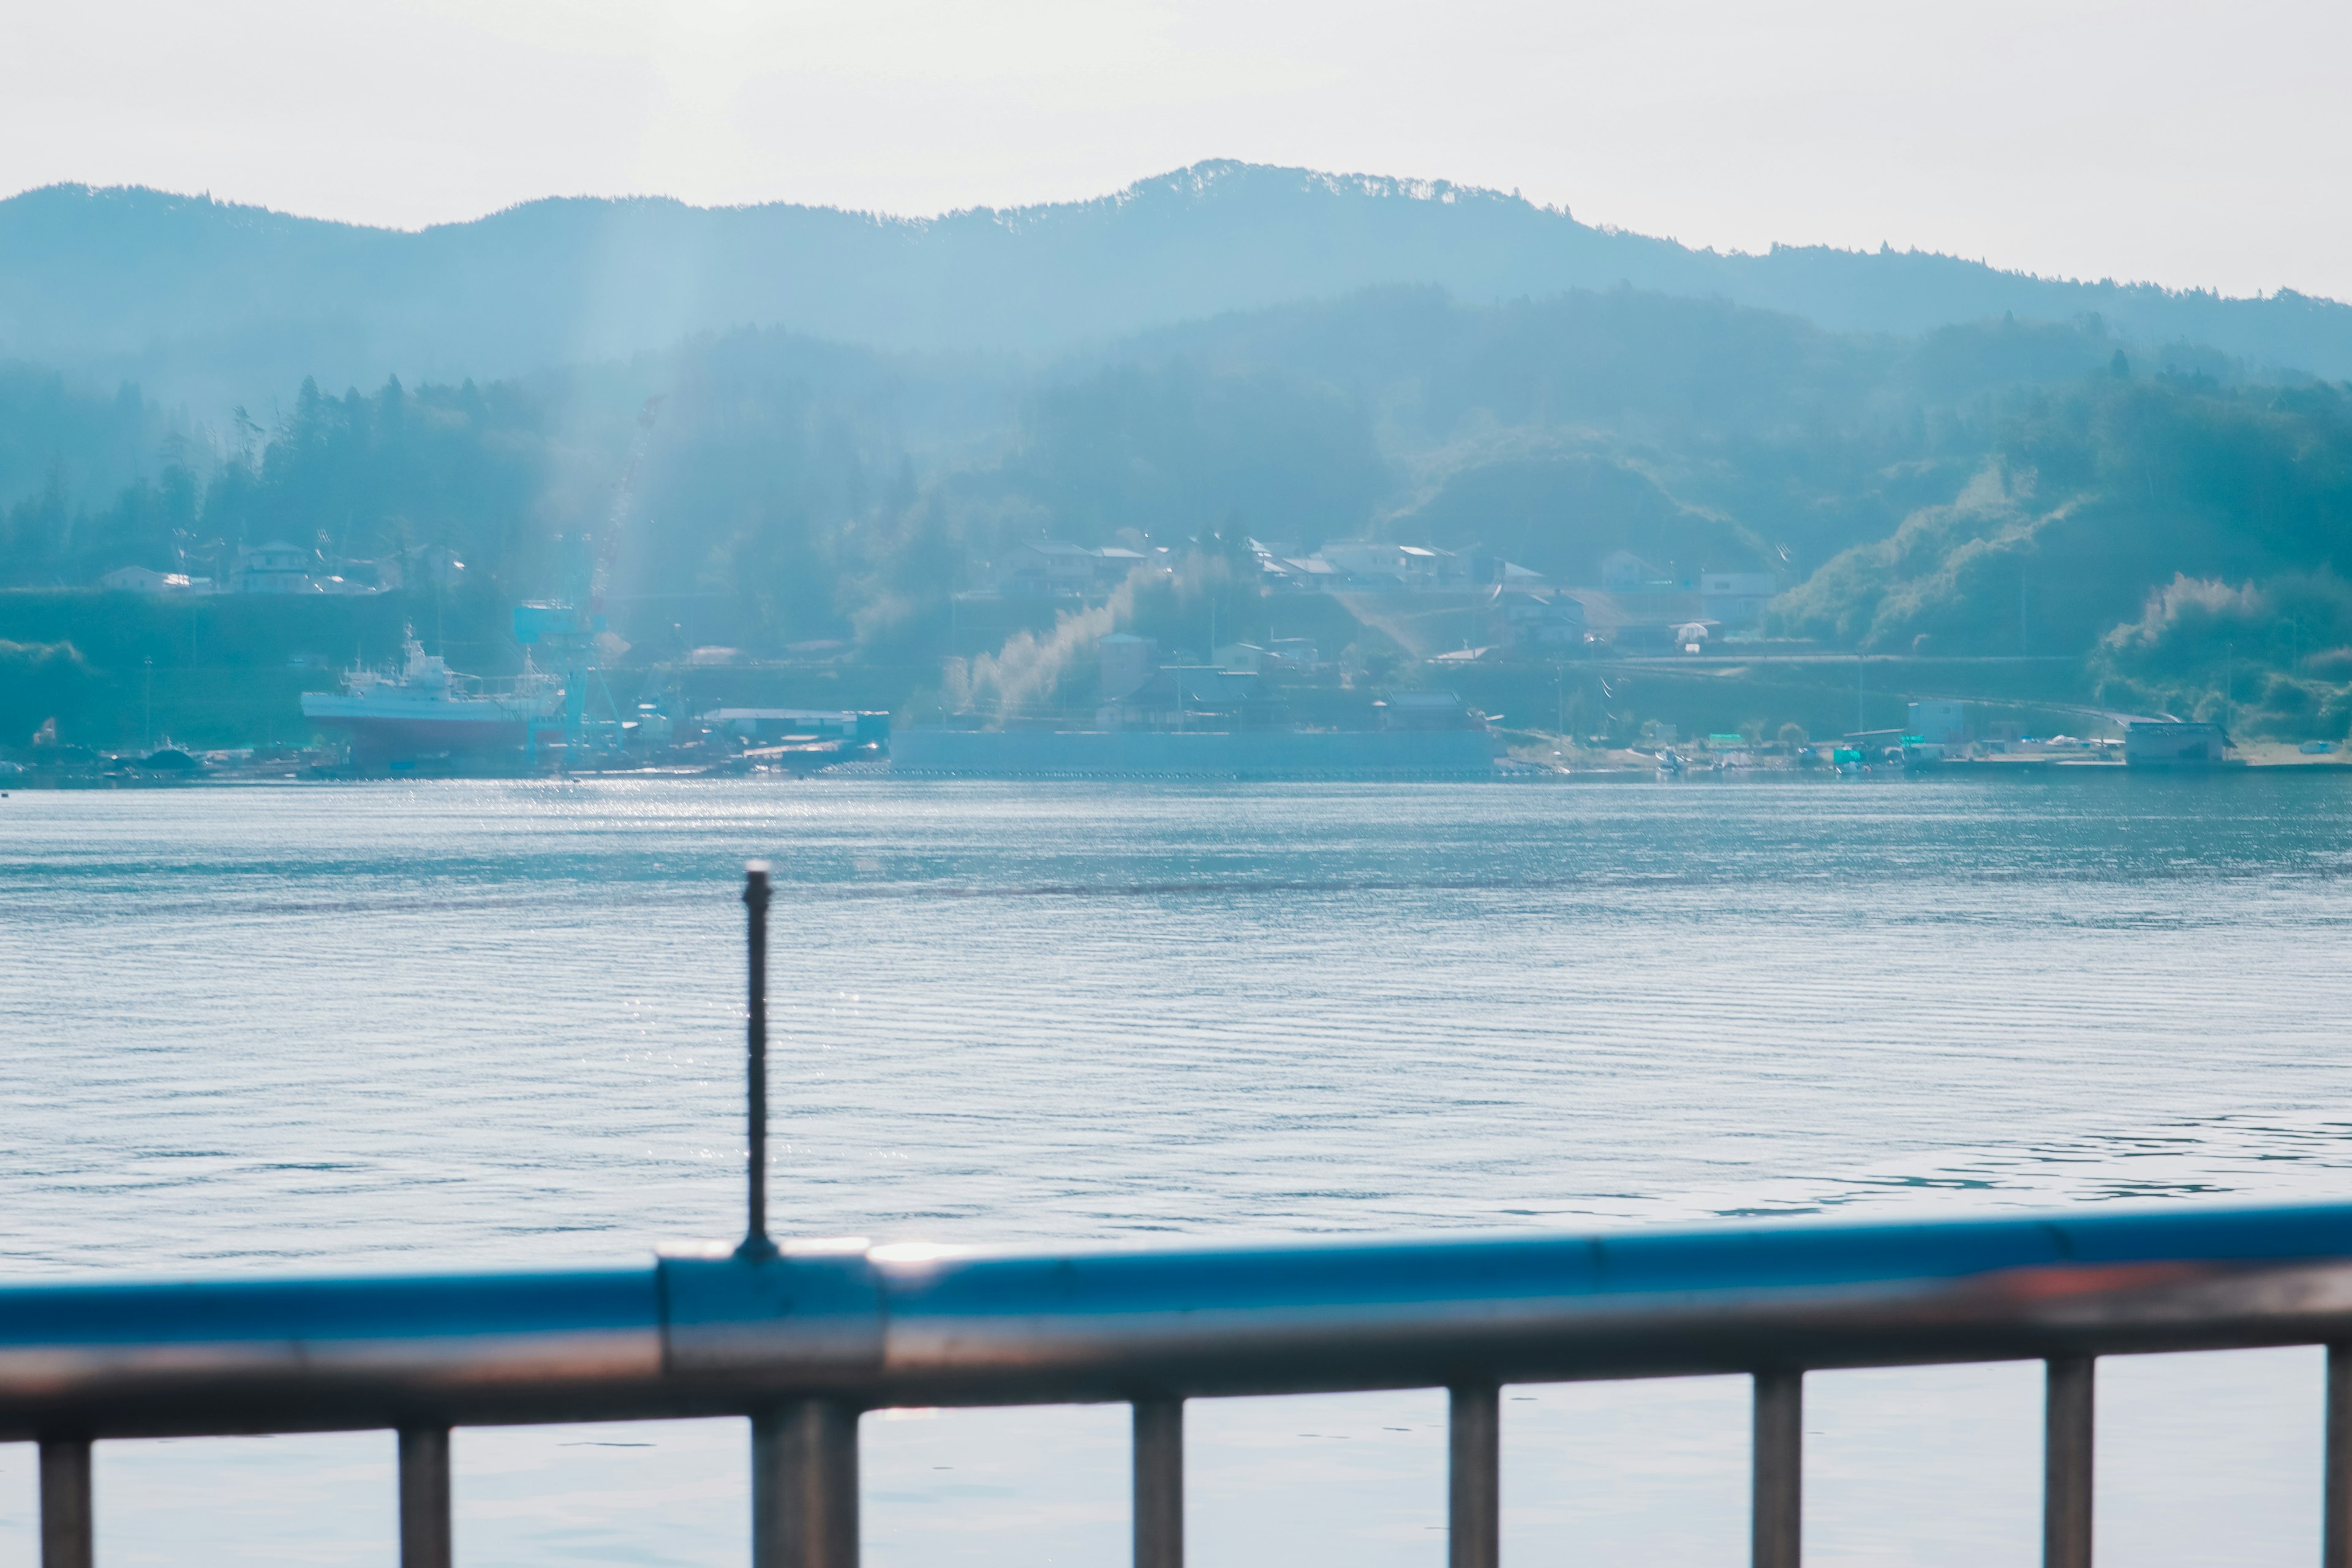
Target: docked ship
column 426, row 708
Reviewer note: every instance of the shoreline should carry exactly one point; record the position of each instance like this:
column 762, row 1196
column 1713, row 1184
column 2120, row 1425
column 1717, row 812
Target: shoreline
column 2034, row 768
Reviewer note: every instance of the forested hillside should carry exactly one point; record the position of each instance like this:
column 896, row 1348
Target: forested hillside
column 212, row 305
column 1998, row 487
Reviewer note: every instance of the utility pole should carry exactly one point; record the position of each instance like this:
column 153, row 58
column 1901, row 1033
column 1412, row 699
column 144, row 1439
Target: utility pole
column 1857, row 691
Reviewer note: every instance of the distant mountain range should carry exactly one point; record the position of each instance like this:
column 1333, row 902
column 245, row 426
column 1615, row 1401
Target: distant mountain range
column 213, row 304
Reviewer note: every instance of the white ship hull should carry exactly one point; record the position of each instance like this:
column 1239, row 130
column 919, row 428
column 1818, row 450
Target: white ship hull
column 428, row 709
column 420, row 728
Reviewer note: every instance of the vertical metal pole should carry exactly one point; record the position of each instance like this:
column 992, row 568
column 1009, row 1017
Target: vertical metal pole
column 1159, row 1483
column 1475, row 1490
column 756, row 1244
column 1777, row 1517
column 804, row 1486
column 424, row 1540
column 2068, row 1426
column 67, row 1534
column 2336, row 1522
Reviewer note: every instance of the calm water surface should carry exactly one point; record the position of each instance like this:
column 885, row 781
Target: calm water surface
column 497, row 1024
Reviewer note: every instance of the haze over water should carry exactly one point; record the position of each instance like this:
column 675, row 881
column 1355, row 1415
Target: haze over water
column 393, row 1027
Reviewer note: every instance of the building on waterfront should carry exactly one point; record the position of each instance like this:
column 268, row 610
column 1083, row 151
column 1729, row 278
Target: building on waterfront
column 1424, row 710
column 1939, row 724
column 2164, row 743
column 1125, row 661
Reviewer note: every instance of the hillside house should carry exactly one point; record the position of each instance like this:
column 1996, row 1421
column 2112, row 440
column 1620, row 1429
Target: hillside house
column 276, row 567
column 1734, row 600
column 1047, row 568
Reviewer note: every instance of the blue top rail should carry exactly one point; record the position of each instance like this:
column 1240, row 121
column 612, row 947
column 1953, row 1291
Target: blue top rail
column 716, row 1333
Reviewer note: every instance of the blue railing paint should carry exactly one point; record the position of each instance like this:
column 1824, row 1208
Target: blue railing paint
column 325, row 1311
column 1783, row 1255
column 707, row 1333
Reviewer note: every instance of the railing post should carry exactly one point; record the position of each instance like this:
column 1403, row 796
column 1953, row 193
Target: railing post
column 1777, row 1514
column 2068, row 1426
column 2335, row 1521
column 425, row 1539
column 804, row 1486
column 1474, row 1514
column 756, row 1246
column 67, row 1533
column 1159, row 1483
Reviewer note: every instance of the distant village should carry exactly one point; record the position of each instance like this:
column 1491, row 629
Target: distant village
column 1495, row 609
column 1479, row 605
column 1634, row 607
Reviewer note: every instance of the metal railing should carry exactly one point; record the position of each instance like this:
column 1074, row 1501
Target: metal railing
column 802, row 1338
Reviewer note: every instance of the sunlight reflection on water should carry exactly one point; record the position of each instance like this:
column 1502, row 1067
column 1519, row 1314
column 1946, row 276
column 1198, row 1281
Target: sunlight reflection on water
column 378, row 1026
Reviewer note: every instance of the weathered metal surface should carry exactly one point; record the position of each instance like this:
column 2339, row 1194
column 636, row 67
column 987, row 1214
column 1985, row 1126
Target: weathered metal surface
column 1474, row 1487
column 426, row 1539
column 69, row 1521
column 2068, row 1424
column 983, row 1329
column 2335, row 1514
column 232, row 1356
column 804, row 1486
column 1159, row 1459
column 810, row 1318
column 1777, row 1514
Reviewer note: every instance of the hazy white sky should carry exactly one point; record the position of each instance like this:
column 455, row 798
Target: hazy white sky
column 2206, row 144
